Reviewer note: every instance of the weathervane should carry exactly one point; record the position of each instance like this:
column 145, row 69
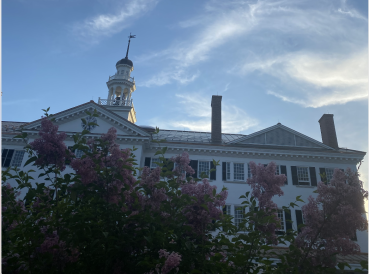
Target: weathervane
column 129, row 42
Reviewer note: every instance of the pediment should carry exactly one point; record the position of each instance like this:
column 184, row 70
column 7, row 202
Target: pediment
column 280, row 135
column 70, row 121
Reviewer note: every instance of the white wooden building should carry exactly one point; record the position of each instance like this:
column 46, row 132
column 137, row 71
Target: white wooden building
column 300, row 157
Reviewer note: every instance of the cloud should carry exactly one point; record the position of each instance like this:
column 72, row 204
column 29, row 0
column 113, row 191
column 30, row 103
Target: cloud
column 198, row 109
column 166, row 77
column 92, row 30
column 322, row 80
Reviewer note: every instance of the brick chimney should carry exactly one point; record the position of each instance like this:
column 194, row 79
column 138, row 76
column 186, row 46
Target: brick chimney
column 216, row 119
column 328, row 131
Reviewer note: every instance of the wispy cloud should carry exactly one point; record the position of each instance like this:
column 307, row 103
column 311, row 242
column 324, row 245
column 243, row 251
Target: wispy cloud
column 92, row 30
column 326, row 80
column 198, row 110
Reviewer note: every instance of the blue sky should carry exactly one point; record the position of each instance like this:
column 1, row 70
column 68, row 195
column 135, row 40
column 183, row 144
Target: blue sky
column 286, row 61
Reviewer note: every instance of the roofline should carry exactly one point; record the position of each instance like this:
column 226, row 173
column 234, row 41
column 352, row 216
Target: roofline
column 99, row 106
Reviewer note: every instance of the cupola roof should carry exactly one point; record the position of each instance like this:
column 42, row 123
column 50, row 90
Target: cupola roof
column 125, row 61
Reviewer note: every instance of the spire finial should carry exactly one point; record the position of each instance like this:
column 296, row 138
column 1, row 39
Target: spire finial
column 129, row 42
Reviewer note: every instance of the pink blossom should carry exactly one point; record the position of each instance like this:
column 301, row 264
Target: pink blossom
column 265, row 185
column 197, row 215
column 332, row 218
column 50, row 146
column 172, row 260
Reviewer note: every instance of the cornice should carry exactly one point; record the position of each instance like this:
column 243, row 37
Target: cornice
column 313, row 156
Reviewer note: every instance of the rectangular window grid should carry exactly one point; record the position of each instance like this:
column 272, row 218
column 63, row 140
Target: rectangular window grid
column 303, row 175
column 329, row 174
column 281, row 218
column 154, row 162
column 182, row 171
column 17, row 158
column 239, row 172
column 277, row 171
column 204, row 167
column 79, row 153
column 238, row 215
column 249, row 175
column 228, row 171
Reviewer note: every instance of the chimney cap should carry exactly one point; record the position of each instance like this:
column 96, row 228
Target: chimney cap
column 325, row 116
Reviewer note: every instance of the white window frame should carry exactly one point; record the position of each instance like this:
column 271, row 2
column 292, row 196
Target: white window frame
column 11, row 164
column 234, row 173
column 308, row 183
column 228, row 171
column 236, row 218
column 326, row 174
column 281, row 213
column 153, row 164
column 199, row 171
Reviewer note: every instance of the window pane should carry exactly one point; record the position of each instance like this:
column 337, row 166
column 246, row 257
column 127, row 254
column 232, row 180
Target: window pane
column 329, row 174
column 277, row 170
column 154, row 162
column 7, row 157
column 238, row 215
column 228, row 166
column 204, row 167
column 249, row 175
column 18, row 158
column 79, row 153
column 239, row 172
column 281, row 218
column 303, row 175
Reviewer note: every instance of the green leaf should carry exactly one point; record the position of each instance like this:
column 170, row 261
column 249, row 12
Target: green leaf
column 106, row 234
column 30, row 160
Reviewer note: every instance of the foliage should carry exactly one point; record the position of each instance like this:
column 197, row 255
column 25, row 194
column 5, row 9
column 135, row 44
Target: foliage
column 109, row 216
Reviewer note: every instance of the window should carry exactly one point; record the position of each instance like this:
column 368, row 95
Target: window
column 11, row 157
column 122, row 72
column 303, row 176
column 249, row 175
column 239, row 172
column 154, row 162
column 228, row 171
column 227, row 210
column 238, row 215
column 204, row 167
column 281, row 218
column 79, row 153
column 329, row 174
column 277, row 170
column 182, row 170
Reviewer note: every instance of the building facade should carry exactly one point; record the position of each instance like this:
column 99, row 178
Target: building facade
column 302, row 159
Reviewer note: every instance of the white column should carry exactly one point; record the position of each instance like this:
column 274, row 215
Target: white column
column 121, row 96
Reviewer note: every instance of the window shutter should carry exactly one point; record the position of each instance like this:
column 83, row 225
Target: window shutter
column 323, row 175
column 284, row 171
column 287, row 219
column 224, row 171
column 193, row 164
column 213, row 174
column 299, row 219
column 147, row 161
column 7, row 156
column 295, row 179
column 313, row 176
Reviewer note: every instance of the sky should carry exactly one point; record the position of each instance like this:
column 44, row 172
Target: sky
column 288, row 61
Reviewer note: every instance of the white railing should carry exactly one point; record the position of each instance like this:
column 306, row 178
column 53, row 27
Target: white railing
column 124, row 102
column 124, row 77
